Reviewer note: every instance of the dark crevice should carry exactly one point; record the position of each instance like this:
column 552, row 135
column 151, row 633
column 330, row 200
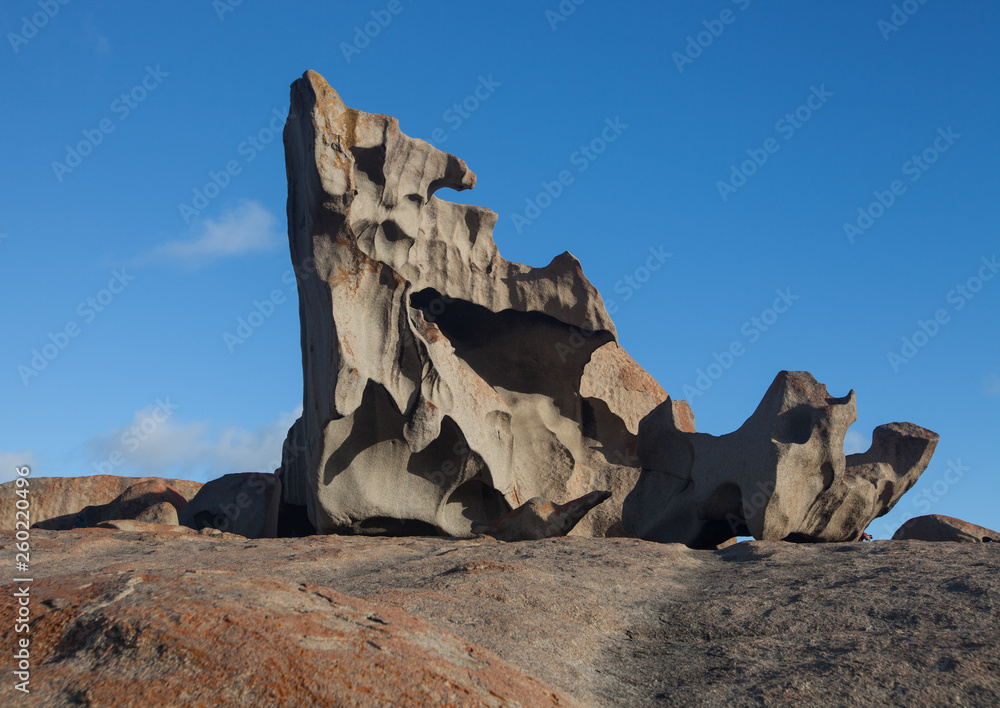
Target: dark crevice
column 794, row 426
column 371, row 161
column 525, row 352
column 393, row 233
column 479, row 501
column 386, row 526
column 472, row 222
column 293, row 521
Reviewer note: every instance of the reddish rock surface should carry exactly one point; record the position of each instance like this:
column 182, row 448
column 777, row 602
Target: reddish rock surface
column 602, row 622
column 55, row 501
column 215, row 637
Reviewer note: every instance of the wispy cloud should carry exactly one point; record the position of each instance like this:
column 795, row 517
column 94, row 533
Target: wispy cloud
column 153, row 444
column 246, row 228
column 10, row 461
column 855, row 442
column 991, row 383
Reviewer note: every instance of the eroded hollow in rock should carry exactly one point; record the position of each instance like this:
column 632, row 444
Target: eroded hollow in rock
column 514, row 351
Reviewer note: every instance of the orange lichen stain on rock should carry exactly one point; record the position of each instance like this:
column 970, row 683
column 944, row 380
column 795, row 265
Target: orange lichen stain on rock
column 430, row 405
column 636, row 379
column 683, row 416
column 428, row 330
column 354, row 266
column 344, row 347
column 214, row 637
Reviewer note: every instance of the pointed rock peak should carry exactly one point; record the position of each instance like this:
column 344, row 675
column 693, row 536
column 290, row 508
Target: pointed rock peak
column 323, row 91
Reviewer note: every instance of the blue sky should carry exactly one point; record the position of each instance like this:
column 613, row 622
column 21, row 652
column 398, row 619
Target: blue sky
column 823, row 176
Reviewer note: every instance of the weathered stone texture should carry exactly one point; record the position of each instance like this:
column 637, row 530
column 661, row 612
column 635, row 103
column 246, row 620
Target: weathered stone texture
column 443, row 384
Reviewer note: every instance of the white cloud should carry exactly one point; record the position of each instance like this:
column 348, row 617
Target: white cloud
column 154, row 444
column 246, row 228
column 10, row 461
column 991, row 383
column 855, row 442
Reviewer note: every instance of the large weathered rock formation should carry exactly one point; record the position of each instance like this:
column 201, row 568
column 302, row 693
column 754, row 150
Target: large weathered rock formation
column 443, row 384
column 782, row 476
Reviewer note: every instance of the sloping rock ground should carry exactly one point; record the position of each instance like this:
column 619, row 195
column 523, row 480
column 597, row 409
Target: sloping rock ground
column 182, row 637
column 598, row 621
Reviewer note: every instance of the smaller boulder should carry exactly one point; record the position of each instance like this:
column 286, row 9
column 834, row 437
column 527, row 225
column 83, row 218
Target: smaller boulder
column 162, row 513
column 934, row 527
column 134, row 501
column 538, row 518
column 244, row 503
